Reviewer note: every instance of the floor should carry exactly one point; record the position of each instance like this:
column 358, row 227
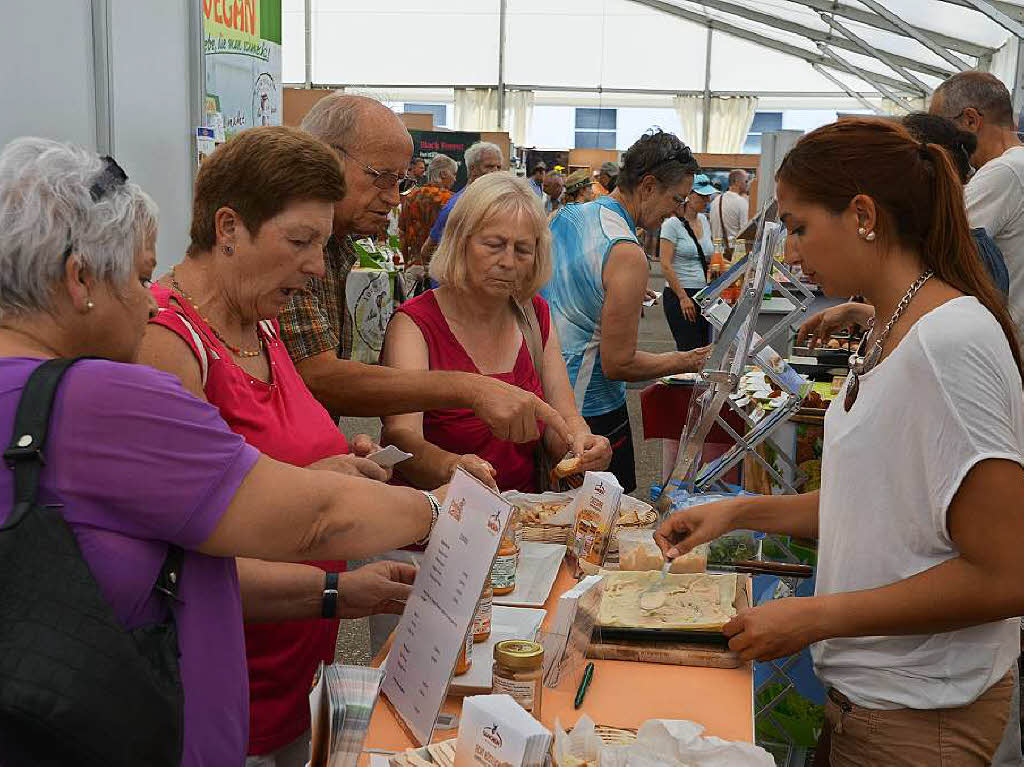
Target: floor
column 654, row 336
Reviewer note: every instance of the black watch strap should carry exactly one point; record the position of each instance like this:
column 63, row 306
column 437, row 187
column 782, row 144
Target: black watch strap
column 330, row 601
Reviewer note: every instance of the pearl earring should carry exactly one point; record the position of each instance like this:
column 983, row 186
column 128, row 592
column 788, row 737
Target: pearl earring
column 870, row 237
column 861, row 231
column 89, row 304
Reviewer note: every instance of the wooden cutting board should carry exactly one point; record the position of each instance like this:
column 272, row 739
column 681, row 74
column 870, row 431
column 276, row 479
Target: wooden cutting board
column 668, row 653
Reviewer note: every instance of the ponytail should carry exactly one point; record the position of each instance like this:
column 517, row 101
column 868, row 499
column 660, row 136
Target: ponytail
column 950, row 251
column 916, row 190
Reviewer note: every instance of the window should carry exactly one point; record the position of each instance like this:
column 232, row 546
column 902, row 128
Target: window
column 595, row 128
column 764, row 122
column 439, row 111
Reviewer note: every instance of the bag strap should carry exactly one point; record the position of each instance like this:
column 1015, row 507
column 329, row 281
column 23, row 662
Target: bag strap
column 700, row 251
column 526, row 318
column 721, row 220
column 24, row 455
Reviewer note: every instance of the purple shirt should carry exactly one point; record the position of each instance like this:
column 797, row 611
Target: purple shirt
column 139, row 462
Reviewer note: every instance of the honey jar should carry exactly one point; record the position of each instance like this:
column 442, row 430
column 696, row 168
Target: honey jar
column 482, row 618
column 518, row 671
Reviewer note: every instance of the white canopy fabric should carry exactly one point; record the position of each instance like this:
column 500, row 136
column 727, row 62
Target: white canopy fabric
column 757, row 46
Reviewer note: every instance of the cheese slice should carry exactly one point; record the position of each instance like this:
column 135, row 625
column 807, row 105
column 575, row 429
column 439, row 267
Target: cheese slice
column 685, row 601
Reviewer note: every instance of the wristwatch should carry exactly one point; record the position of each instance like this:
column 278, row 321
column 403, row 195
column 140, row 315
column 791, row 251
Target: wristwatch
column 329, row 608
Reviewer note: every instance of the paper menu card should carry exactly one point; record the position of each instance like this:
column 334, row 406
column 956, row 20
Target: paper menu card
column 440, row 609
column 566, row 642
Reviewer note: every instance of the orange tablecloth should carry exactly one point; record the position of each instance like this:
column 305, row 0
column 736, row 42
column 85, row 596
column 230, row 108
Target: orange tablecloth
column 622, row 694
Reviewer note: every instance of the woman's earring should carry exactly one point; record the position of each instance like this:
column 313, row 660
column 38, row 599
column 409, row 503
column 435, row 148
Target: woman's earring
column 228, row 250
column 870, row 237
column 862, row 231
column 89, row 305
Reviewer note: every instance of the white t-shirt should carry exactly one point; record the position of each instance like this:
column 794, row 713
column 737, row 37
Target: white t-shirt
column 947, row 397
column 734, row 209
column 995, row 202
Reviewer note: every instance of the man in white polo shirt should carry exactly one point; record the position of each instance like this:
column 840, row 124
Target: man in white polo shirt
column 979, row 102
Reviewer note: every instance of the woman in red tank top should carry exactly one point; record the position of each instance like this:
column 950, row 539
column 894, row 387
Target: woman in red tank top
column 495, row 252
column 216, row 331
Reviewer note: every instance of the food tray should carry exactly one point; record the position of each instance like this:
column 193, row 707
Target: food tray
column 711, row 636
column 535, row 575
column 832, row 357
column 648, row 518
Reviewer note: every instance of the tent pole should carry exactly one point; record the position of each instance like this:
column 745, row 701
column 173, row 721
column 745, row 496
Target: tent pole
column 501, row 65
column 706, row 131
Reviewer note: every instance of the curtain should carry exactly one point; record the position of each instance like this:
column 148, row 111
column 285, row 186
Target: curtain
column 691, row 116
column 518, row 115
column 731, row 118
column 476, row 109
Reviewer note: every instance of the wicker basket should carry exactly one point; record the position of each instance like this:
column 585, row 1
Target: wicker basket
column 647, row 518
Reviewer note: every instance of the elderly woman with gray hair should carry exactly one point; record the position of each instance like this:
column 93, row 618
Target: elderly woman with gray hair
column 139, row 469
column 487, row 318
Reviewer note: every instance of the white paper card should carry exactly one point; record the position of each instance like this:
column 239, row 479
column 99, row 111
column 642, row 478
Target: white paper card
column 389, row 456
column 440, row 609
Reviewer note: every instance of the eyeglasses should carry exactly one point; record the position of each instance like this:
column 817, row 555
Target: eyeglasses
column 680, row 200
column 382, row 179
column 107, row 180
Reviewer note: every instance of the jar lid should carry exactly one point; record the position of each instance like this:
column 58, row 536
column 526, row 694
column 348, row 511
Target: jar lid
column 519, row 654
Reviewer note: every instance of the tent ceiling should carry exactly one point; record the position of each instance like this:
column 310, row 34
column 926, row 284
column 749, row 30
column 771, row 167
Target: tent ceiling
column 757, row 46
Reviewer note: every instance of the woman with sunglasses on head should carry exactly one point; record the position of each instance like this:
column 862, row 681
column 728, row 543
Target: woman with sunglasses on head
column 918, row 517
column 599, row 283
column 140, row 466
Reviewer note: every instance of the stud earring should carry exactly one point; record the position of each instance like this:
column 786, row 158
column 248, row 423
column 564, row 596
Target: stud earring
column 870, row 237
column 228, row 250
column 861, row 231
column 89, row 305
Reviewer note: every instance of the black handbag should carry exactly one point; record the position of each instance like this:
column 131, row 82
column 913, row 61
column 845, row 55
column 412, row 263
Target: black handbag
column 75, row 686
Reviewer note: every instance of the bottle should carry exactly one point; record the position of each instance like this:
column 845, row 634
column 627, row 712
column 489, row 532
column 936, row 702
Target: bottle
column 518, row 671
column 716, row 266
column 482, row 618
column 465, row 659
column 503, row 572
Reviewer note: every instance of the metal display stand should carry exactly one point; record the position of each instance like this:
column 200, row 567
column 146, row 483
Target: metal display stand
column 736, row 346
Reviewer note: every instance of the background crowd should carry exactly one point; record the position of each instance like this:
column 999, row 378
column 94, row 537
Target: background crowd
column 520, row 354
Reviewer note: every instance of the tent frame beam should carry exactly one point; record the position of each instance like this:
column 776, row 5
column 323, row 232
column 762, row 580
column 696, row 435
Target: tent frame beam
column 766, row 42
column 892, row 95
column 881, row 55
column 819, row 36
column 849, row 91
column 1008, row 23
column 926, row 41
column 583, row 89
column 871, row 19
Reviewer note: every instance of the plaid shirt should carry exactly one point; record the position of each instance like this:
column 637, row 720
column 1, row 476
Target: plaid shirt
column 420, row 209
column 317, row 320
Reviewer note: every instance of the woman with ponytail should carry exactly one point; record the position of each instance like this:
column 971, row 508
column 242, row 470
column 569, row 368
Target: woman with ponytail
column 919, row 514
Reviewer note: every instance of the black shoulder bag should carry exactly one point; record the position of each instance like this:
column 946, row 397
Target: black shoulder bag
column 75, row 686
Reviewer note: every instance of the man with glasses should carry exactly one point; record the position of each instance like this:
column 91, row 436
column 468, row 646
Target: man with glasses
column 598, row 285
column 316, row 328
column 979, row 103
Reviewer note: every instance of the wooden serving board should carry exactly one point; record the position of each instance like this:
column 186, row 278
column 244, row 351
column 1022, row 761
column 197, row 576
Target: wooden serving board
column 668, row 653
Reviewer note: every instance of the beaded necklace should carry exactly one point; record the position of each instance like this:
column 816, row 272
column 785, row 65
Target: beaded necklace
column 236, row 350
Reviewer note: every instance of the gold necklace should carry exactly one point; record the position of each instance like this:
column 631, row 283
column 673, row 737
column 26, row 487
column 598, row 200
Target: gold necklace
column 236, row 350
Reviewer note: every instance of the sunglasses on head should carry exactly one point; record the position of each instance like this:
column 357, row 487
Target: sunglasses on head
column 111, row 177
